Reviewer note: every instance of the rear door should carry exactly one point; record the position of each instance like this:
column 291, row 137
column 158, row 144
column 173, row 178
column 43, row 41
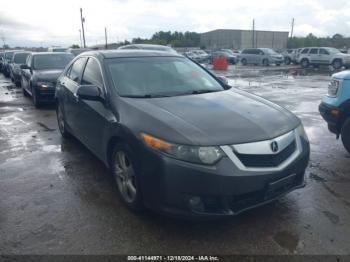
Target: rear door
column 313, row 56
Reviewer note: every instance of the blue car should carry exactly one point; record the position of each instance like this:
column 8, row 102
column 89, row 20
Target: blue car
column 335, row 107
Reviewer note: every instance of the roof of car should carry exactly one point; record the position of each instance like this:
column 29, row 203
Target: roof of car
column 51, row 53
column 129, row 53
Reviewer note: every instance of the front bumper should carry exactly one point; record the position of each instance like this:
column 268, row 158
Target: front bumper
column 328, row 113
column 45, row 95
column 169, row 185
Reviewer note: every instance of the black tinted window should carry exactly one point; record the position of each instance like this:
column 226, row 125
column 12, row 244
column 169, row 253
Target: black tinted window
column 313, row 51
column 20, row 58
column 77, row 69
column 92, row 74
column 52, row 61
column 306, row 50
column 246, row 51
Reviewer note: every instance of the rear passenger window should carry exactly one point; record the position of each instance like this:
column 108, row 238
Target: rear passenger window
column 323, row 52
column 313, row 51
column 77, row 69
column 92, row 74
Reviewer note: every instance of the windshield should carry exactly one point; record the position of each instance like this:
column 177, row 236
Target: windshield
column 159, row 76
column 269, row 51
column 52, row 61
column 332, row 50
column 20, row 58
column 9, row 55
column 228, row 51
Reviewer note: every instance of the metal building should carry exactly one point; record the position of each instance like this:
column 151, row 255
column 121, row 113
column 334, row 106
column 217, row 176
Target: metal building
column 240, row 39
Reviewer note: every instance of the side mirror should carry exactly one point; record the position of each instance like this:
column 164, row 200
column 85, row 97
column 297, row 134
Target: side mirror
column 90, row 92
column 222, row 79
column 24, row 67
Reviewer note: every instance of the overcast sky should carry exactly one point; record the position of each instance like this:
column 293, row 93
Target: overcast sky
column 47, row 22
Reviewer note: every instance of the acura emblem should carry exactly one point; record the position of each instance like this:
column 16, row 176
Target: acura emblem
column 274, row 147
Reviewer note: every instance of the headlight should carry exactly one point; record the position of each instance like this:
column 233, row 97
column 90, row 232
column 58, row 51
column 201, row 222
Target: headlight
column 207, row 155
column 45, row 85
column 301, row 132
column 333, row 88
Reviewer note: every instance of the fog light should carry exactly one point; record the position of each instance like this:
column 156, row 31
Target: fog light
column 196, row 203
column 335, row 112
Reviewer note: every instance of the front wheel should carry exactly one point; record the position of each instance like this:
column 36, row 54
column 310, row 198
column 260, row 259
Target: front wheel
column 244, row 61
column 36, row 100
column 125, row 173
column 287, row 61
column 304, row 63
column 265, row 62
column 345, row 134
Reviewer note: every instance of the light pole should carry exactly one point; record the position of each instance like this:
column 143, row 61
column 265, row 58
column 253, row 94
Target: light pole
column 82, row 25
column 81, row 42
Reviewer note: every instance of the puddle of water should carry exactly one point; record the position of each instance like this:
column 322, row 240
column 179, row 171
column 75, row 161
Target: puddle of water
column 287, row 240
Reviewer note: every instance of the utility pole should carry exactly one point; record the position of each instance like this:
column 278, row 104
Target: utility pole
column 82, row 25
column 253, row 36
column 291, row 33
column 81, row 41
column 106, row 37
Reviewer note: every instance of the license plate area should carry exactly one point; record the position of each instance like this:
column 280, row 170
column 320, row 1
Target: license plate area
column 280, row 186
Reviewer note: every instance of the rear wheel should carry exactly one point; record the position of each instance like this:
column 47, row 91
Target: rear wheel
column 124, row 170
column 345, row 134
column 304, row 63
column 337, row 64
column 244, row 61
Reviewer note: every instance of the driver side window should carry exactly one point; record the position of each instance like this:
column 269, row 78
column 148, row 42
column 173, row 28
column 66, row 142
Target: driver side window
column 76, row 70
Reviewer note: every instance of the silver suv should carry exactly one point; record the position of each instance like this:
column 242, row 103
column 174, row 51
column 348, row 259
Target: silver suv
column 261, row 56
column 323, row 56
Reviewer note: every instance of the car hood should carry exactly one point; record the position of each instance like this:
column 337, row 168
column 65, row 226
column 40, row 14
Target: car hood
column 47, row 75
column 220, row 118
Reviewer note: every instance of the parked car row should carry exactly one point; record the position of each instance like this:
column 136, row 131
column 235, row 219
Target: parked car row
column 176, row 138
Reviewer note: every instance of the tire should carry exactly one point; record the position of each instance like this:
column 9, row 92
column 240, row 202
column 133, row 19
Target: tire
column 287, row 61
column 304, row 63
column 265, row 62
column 36, row 101
column 337, row 64
column 278, row 64
column 61, row 122
column 125, row 173
column 345, row 134
column 244, row 61
column 25, row 93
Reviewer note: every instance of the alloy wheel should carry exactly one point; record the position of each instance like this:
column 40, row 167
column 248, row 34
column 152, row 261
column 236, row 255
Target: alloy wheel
column 125, row 177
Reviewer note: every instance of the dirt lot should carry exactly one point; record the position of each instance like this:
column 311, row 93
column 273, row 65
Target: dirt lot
column 57, row 198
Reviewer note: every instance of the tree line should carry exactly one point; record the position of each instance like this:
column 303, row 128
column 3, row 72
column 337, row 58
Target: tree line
column 174, row 39
column 337, row 41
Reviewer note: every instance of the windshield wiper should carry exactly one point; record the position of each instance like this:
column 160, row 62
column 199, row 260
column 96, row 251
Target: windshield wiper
column 146, row 96
column 203, row 91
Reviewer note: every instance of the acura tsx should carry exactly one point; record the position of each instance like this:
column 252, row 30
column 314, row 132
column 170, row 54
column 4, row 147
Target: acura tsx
column 176, row 138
